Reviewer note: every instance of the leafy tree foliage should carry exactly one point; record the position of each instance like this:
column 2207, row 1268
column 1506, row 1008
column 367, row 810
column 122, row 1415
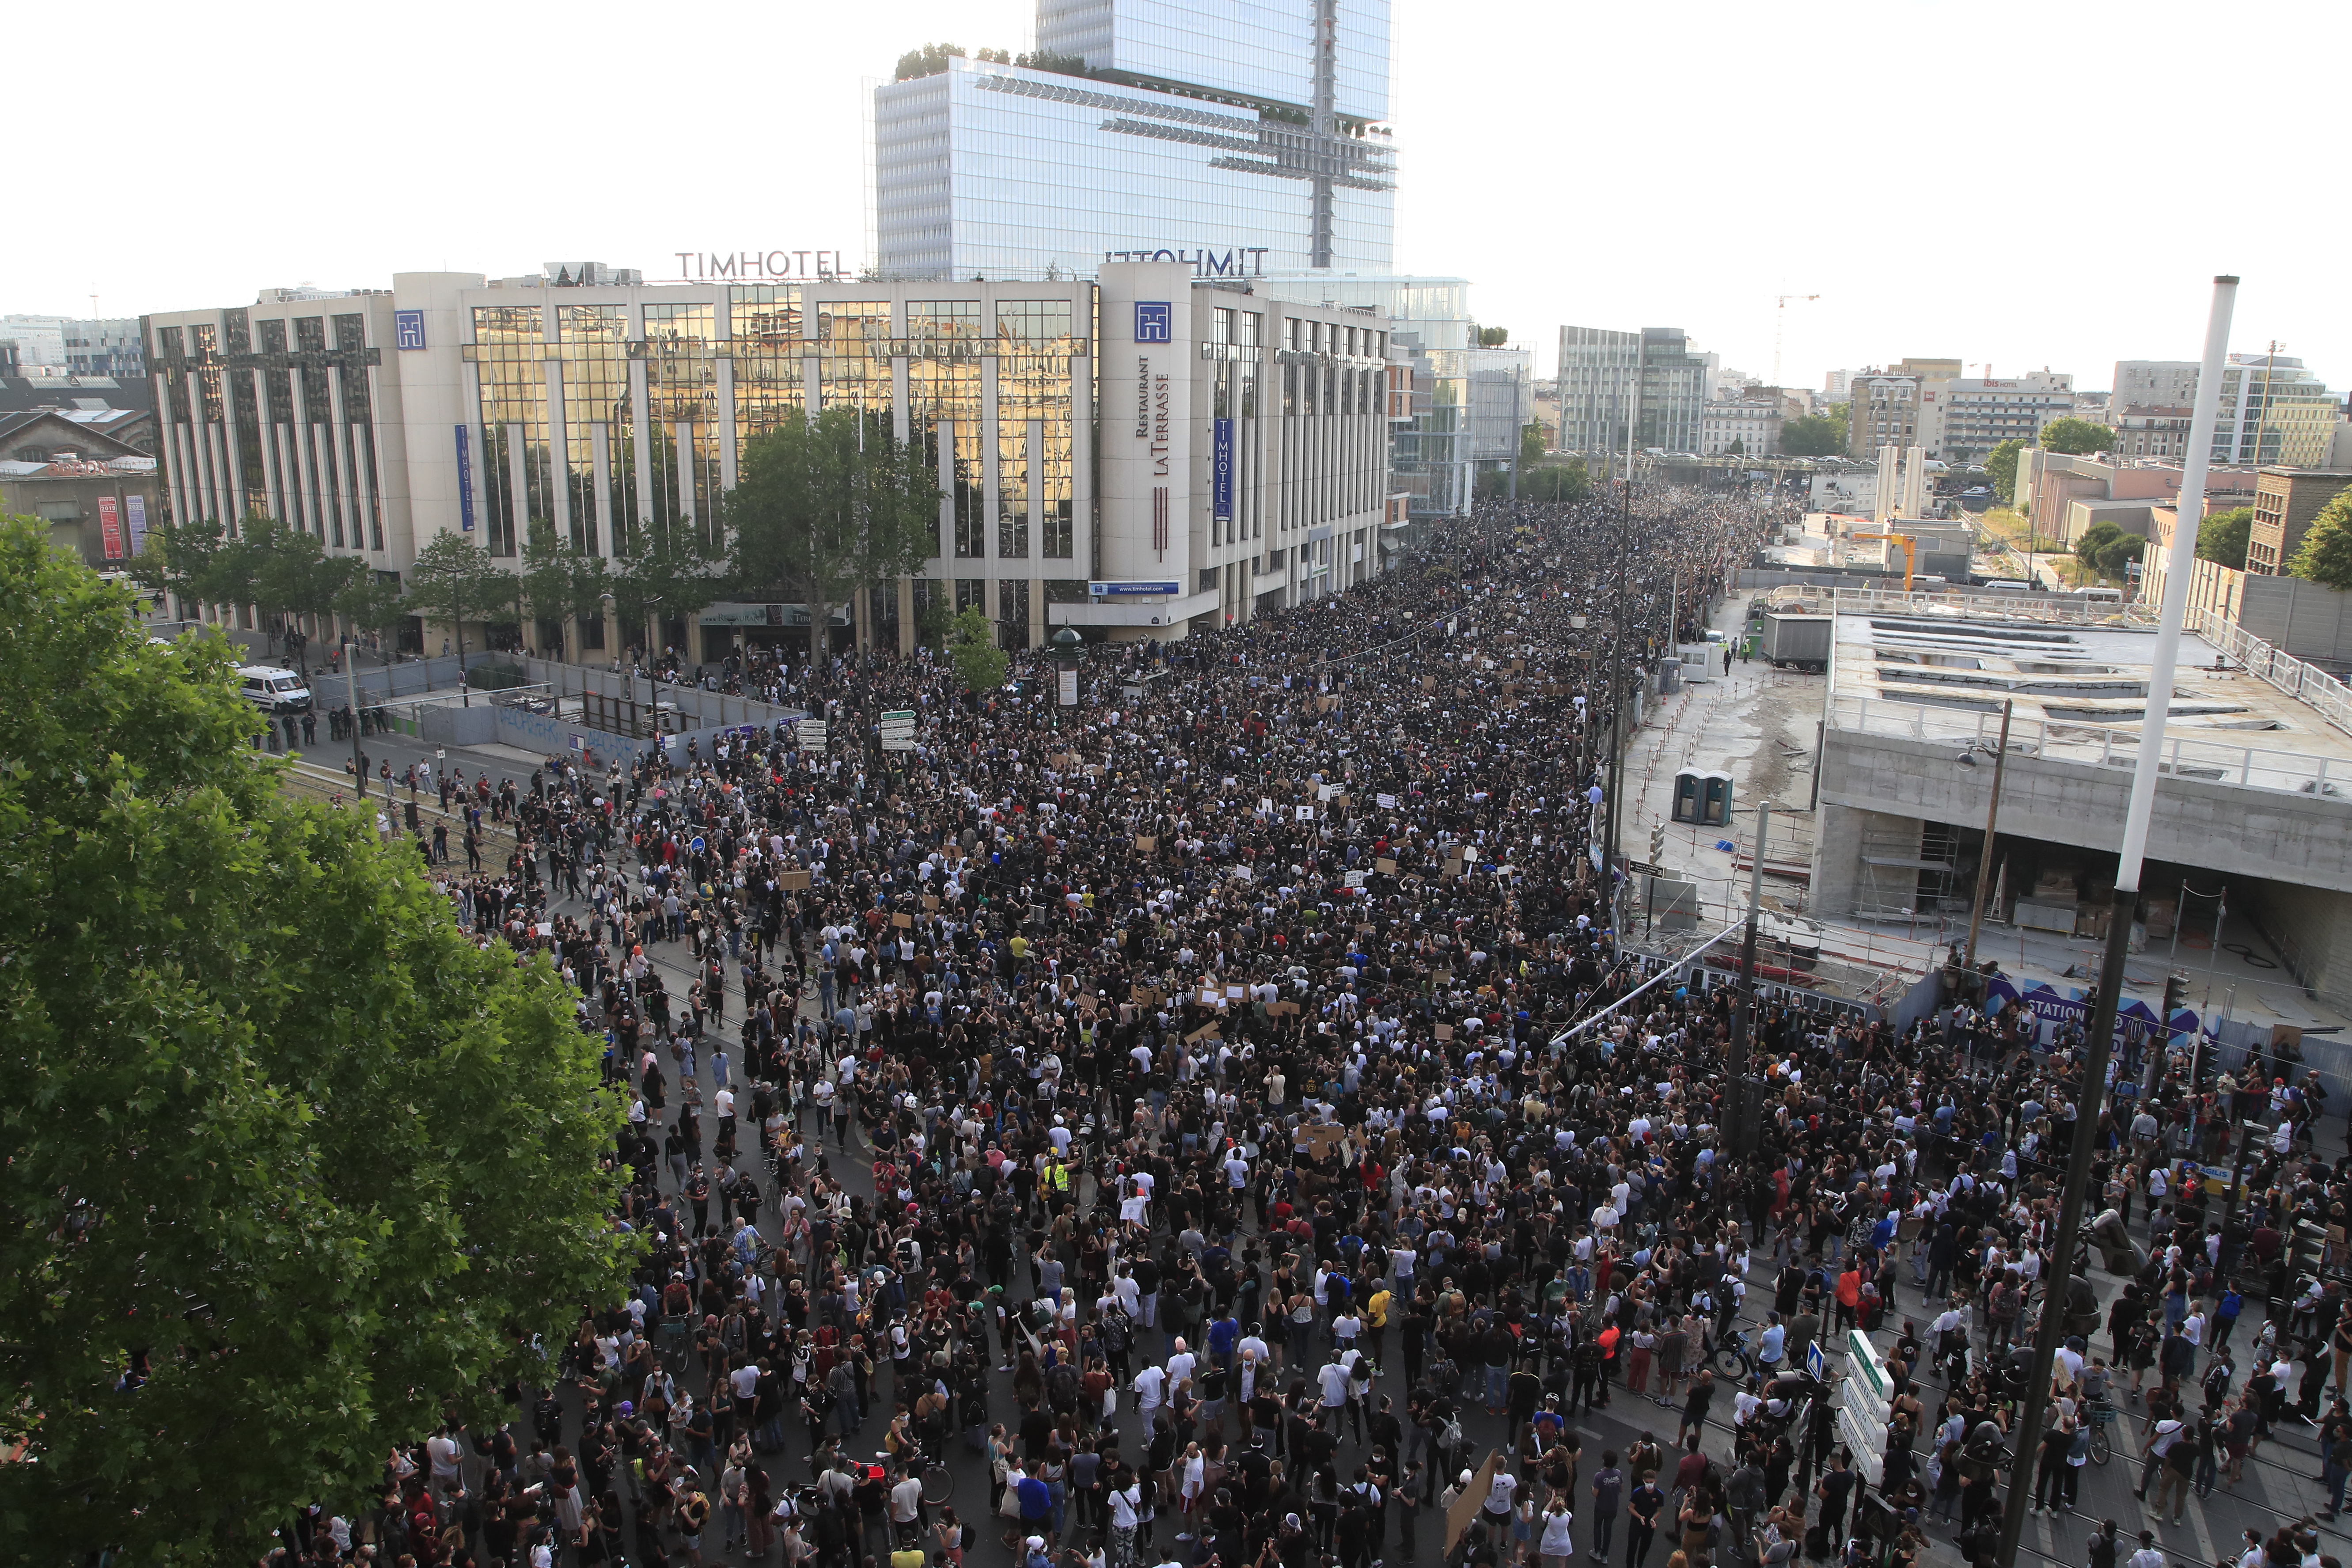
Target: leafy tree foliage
column 1568, row 482
column 971, row 644
column 557, row 581
column 2222, row 537
column 929, row 61
column 453, row 580
column 664, row 571
column 2076, row 437
column 1531, row 444
column 2325, row 557
column 1494, row 337
column 824, row 507
column 2109, row 550
column 2001, row 467
column 1814, row 435
column 293, row 1166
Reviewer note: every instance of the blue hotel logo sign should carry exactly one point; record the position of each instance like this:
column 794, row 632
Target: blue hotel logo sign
column 1155, row 320
column 408, row 329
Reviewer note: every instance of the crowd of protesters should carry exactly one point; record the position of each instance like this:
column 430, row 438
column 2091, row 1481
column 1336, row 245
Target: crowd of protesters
column 1219, row 1114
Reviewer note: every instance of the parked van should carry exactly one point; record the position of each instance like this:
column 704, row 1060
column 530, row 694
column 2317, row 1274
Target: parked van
column 2101, row 595
column 274, row 690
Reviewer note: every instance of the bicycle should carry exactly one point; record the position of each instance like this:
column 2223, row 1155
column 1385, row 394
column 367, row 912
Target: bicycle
column 938, row 1481
column 2103, row 1415
column 1732, row 1356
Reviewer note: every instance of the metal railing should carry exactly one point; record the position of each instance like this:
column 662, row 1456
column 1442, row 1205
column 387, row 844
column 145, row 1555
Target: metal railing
column 2306, row 683
column 2252, row 767
column 2064, row 608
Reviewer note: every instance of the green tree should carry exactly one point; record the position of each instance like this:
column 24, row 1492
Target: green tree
column 1557, row 482
column 557, row 581
column 929, row 61
column 2076, row 437
column 2001, row 467
column 2095, row 539
column 1531, row 444
column 2109, row 550
column 824, row 507
column 373, row 602
column 971, row 644
column 296, row 576
column 232, row 574
column 1739, row 447
column 453, row 580
column 260, row 1224
column 2325, row 557
column 176, row 557
column 1814, row 435
column 2222, row 537
column 1494, row 337
column 664, row 571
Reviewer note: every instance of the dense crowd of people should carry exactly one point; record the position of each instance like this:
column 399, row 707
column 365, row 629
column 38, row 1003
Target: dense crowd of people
column 1210, row 1104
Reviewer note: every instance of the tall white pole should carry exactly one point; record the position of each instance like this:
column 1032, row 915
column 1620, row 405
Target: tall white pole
column 2178, row 562
column 2126, row 903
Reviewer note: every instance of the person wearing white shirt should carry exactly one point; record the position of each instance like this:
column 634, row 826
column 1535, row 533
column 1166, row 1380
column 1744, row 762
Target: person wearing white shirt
column 1180, row 1364
column 1150, row 1384
column 1333, row 1380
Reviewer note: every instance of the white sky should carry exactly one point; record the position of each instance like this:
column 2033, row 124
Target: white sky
column 2024, row 183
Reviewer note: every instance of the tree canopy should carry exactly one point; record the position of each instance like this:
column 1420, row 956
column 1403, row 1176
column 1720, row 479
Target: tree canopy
column 294, row 1166
column 453, row 581
column 2325, row 557
column 971, row 643
column 2222, row 537
column 1814, row 435
column 2001, row 467
column 2077, row 437
column 663, row 570
column 2109, row 550
column 824, row 507
column 1531, row 444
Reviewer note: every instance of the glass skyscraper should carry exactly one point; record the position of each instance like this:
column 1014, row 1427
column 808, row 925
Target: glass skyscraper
column 1244, row 138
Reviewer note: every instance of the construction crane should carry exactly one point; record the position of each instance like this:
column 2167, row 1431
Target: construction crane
column 1779, row 326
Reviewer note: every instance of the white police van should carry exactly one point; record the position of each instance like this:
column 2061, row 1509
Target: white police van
column 274, row 690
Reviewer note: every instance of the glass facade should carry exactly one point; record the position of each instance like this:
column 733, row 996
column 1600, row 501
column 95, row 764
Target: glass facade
column 517, row 482
column 997, row 171
column 943, row 396
column 765, row 339
column 1251, row 48
column 321, row 489
column 682, row 456
column 359, row 430
column 595, row 383
column 252, row 475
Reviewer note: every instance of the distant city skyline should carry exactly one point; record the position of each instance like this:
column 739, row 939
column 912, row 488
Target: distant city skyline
column 1533, row 161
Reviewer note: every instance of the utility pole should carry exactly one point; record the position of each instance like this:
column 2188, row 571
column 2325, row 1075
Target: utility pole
column 2128, row 864
column 1992, row 816
column 351, row 690
column 1738, row 1122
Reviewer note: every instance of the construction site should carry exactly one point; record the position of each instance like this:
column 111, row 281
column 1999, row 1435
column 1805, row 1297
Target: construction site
column 1868, row 767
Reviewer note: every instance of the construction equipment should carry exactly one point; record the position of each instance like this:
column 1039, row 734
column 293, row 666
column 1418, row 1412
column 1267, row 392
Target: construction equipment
column 1903, row 540
column 1780, row 325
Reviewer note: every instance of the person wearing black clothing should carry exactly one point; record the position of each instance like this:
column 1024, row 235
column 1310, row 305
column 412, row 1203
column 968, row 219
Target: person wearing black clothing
column 1642, row 1511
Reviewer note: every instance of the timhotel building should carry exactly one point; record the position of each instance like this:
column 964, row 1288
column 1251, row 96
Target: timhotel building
column 1134, row 454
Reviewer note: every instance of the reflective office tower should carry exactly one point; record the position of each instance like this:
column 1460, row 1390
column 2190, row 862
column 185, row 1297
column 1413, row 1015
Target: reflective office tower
column 1243, row 139
column 1217, row 452
column 1649, row 384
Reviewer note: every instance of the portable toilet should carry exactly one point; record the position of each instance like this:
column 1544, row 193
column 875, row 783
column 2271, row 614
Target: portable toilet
column 1688, row 799
column 1703, row 797
column 1670, row 677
